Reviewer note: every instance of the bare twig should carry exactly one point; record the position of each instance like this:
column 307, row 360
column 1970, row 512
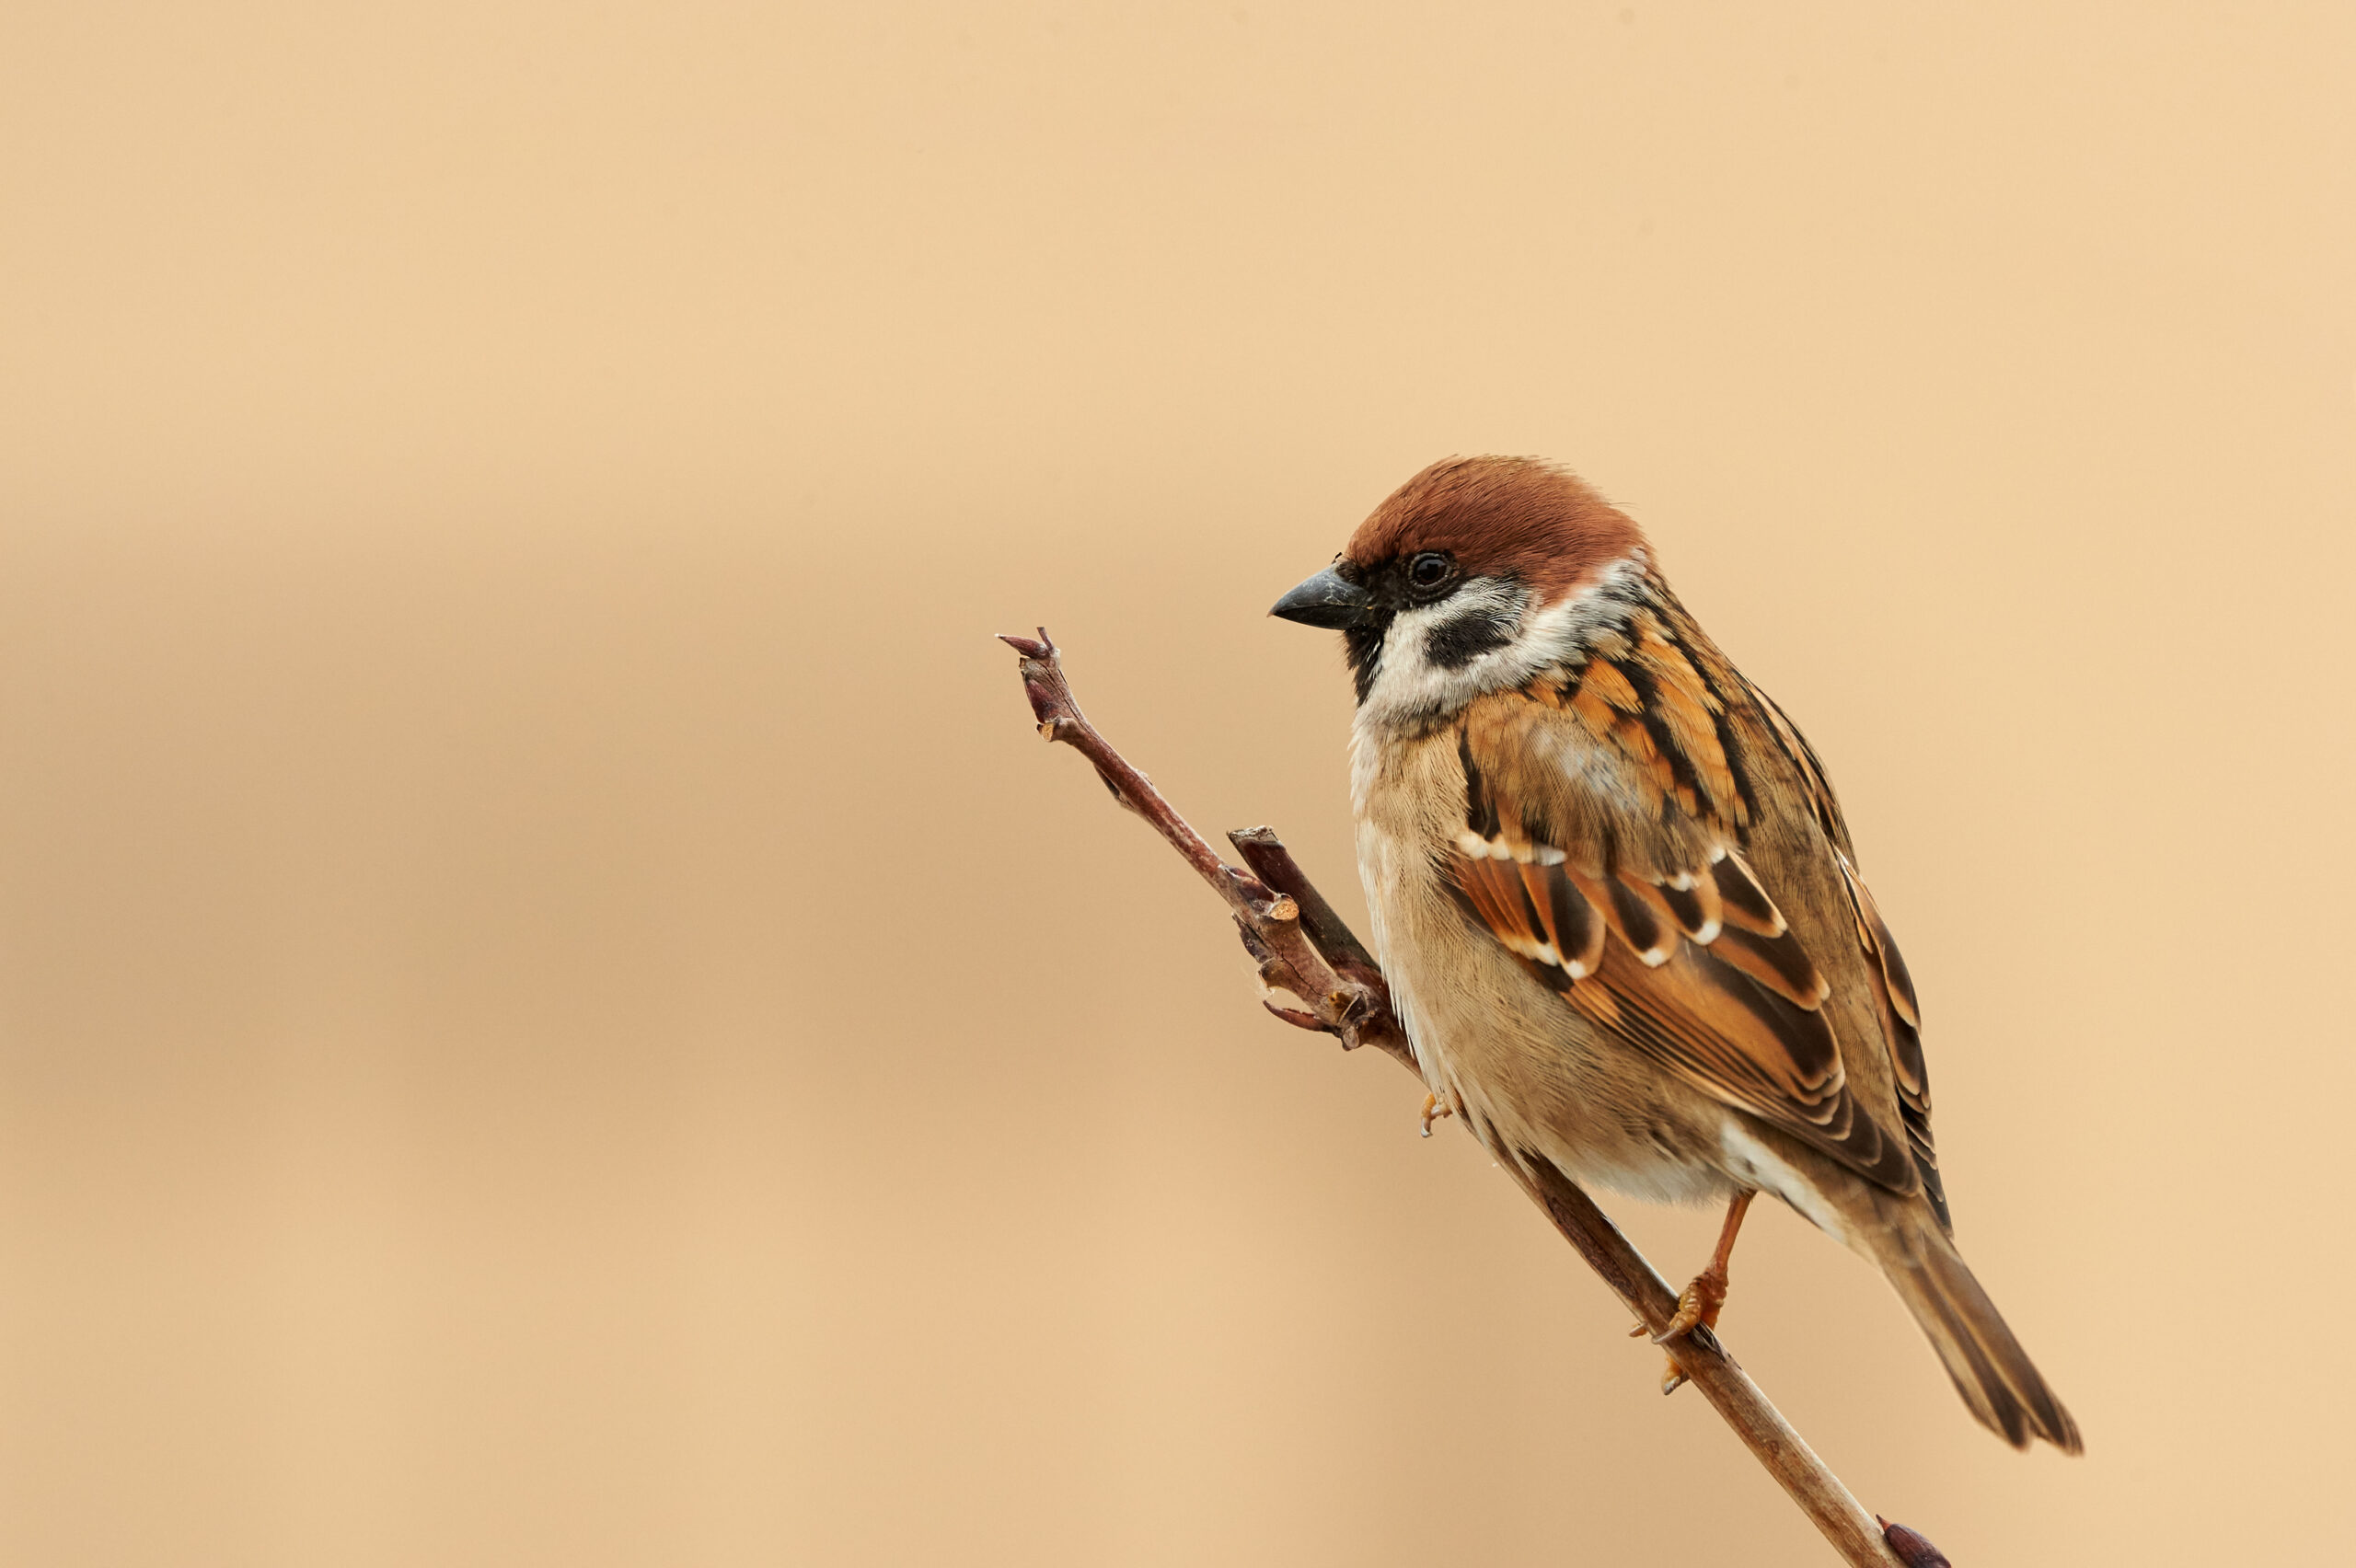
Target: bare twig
column 1357, row 1006
column 1303, row 947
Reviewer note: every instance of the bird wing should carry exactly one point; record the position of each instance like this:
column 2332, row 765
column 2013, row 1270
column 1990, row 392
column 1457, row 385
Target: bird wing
column 1607, row 813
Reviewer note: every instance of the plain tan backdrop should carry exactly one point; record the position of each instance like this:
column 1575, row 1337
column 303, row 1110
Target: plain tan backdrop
column 555, row 1012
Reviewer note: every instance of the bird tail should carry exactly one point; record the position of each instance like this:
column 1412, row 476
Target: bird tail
column 1991, row 1370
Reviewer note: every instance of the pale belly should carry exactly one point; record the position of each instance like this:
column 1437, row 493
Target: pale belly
column 1528, row 1074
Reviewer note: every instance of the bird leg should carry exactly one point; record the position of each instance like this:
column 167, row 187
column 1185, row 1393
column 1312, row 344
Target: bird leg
column 1699, row 1304
column 1434, row 1109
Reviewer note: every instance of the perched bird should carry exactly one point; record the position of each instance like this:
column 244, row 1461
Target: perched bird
column 1618, row 906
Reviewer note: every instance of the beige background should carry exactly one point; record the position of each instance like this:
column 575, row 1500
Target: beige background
column 555, row 1012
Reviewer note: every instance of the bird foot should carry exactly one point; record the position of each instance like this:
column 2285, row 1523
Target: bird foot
column 1698, row 1307
column 1434, row 1109
column 1699, row 1304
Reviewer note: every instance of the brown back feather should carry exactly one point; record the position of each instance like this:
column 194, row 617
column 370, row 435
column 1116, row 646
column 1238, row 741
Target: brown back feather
column 1721, row 931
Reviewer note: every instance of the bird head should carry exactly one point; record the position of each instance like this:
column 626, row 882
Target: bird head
column 1473, row 575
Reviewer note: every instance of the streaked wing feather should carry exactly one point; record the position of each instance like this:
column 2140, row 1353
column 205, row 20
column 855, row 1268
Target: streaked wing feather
column 1671, row 943
column 1901, row 1013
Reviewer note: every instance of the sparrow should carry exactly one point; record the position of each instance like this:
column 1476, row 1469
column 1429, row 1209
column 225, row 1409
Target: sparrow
column 1618, row 907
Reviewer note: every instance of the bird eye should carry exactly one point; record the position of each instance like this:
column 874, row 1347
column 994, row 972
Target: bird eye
column 1429, row 569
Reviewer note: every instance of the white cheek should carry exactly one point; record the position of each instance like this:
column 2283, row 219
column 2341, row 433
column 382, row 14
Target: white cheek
column 1410, row 689
column 1408, row 684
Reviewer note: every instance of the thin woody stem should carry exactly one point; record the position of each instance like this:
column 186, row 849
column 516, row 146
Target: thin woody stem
column 1348, row 1001
column 1060, row 719
column 1304, row 946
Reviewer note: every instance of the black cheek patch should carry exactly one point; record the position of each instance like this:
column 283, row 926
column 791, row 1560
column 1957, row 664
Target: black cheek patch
column 1455, row 643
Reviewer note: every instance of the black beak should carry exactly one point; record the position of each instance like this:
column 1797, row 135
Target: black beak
column 1329, row 601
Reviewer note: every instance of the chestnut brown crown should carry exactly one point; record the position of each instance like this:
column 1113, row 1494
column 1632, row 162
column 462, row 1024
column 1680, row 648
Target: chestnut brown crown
column 1500, row 517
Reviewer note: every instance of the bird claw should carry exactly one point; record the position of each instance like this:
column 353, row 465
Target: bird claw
column 1434, row 1109
column 1698, row 1306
